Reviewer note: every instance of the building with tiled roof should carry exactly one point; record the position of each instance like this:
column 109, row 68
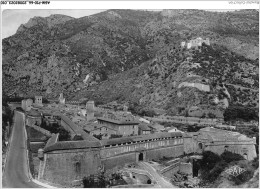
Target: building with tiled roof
column 144, row 129
column 124, row 125
column 74, row 129
column 99, row 129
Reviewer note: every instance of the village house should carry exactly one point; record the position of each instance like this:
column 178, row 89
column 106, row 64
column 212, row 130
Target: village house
column 195, row 42
column 144, row 129
column 123, row 126
column 99, row 129
column 38, row 100
column 172, row 130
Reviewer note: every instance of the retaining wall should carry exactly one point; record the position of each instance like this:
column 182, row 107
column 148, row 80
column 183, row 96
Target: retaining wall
column 186, row 168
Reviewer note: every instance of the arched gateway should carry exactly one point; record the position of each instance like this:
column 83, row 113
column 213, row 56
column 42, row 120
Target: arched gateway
column 140, row 154
column 141, row 157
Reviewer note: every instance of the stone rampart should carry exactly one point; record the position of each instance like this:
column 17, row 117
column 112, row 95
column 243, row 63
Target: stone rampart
column 186, row 168
column 43, row 131
column 63, row 167
column 170, row 170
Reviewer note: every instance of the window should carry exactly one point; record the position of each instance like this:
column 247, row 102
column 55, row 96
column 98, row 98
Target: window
column 226, row 148
column 77, row 167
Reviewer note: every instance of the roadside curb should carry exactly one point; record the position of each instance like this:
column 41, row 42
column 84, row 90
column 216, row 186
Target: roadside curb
column 8, row 148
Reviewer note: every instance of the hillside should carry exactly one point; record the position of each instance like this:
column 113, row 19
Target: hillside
column 166, row 82
column 135, row 56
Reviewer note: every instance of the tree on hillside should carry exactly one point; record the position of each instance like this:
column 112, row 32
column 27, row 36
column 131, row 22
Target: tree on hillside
column 230, row 156
column 245, row 113
column 209, row 160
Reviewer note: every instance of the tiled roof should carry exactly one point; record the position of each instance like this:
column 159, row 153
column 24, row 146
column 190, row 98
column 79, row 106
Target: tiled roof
column 51, row 140
column 170, row 128
column 34, row 113
column 77, row 130
column 144, row 127
column 67, row 145
column 119, row 122
column 95, row 126
column 139, row 138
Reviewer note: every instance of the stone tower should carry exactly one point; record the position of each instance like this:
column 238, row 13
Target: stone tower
column 90, row 107
column 38, row 100
column 61, row 99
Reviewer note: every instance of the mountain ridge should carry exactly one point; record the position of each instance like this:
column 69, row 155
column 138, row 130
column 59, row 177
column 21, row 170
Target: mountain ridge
column 56, row 54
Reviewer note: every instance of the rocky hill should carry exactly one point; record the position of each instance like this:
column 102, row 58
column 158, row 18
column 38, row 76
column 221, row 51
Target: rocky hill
column 135, row 56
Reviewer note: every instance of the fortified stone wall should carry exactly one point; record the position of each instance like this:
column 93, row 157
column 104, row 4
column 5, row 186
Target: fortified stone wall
column 45, row 132
column 67, row 127
column 170, row 170
column 186, row 168
column 245, row 149
column 110, row 163
column 149, row 154
column 173, row 151
column 35, row 146
column 190, row 145
column 63, row 167
column 156, row 145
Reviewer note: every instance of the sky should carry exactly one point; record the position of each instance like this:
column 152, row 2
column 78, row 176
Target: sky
column 12, row 19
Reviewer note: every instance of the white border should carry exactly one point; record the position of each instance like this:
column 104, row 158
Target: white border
column 139, row 5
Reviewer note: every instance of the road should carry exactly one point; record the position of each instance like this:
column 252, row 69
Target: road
column 158, row 178
column 16, row 174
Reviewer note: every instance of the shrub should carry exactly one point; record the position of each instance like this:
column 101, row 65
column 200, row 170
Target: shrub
column 193, row 128
column 64, row 135
column 234, row 113
column 99, row 137
column 88, row 182
column 216, row 171
column 211, row 115
column 229, row 157
column 242, row 178
column 115, row 136
column 209, row 160
column 255, row 162
column 45, row 100
column 203, row 115
column 98, row 181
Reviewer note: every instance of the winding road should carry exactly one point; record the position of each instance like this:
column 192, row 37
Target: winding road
column 16, row 172
column 159, row 179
